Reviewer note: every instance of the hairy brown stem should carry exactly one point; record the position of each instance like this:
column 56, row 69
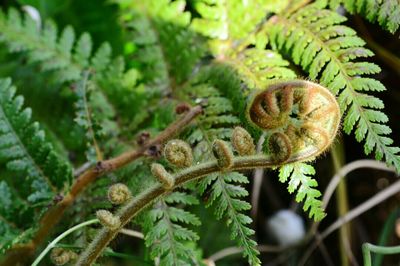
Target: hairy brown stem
column 53, row 216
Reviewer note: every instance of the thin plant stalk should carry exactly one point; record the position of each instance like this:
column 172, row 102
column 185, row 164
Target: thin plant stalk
column 60, row 237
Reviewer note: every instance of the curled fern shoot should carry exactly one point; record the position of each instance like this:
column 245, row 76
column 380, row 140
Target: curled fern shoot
column 178, row 153
column 301, row 118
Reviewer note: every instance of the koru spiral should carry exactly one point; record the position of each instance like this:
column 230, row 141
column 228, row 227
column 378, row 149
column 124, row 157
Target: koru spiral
column 301, row 119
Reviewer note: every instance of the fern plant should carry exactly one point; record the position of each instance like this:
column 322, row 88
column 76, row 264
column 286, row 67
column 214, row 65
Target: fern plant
column 204, row 92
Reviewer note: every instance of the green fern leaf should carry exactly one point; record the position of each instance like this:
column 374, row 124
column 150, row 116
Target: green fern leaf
column 386, row 12
column 299, row 175
column 325, row 49
column 166, row 231
column 257, row 67
column 67, row 60
column 85, row 119
column 224, row 197
column 24, row 148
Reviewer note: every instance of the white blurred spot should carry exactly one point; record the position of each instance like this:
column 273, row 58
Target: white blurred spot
column 34, row 14
column 286, row 227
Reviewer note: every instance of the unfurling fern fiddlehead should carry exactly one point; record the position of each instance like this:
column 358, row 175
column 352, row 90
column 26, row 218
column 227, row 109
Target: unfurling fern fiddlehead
column 302, row 119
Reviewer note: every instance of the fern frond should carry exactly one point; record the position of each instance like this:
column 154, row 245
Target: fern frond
column 385, row 12
column 318, row 42
column 159, row 30
column 24, row 35
column 24, row 149
column 38, row 173
column 300, row 179
column 67, row 58
column 225, row 197
column 166, row 232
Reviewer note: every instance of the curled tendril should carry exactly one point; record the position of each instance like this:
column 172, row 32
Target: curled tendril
column 118, row 194
column 242, row 141
column 300, row 117
column 108, row 220
column 178, row 153
column 60, row 256
column 165, row 178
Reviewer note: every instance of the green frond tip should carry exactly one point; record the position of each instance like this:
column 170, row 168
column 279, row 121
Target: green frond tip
column 300, row 179
column 316, row 40
column 166, row 230
column 385, row 12
column 225, row 198
column 24, row 149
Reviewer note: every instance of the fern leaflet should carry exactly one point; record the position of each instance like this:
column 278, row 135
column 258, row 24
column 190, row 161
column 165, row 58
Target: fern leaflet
column 24, row 148
column 165, row 233
column 224, row 197
column 385, row 12
column 299, row 175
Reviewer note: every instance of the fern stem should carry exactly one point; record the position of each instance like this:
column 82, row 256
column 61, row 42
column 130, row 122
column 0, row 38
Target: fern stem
column 143, row 200
column 60, row 237
column 52, row 217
